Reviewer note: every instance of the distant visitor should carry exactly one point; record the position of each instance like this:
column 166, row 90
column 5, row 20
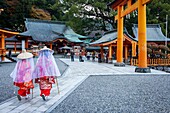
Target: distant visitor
column 72, row 55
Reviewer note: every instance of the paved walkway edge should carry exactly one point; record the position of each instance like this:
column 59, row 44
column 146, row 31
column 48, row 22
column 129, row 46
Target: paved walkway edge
column 68, row 93
column 8, row 100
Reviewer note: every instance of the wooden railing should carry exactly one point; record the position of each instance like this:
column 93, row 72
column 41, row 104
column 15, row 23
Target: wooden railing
column 152, row 62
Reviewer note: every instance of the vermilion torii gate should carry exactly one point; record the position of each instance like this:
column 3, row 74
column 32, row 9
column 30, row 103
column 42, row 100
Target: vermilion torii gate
column 4, row 34
column 132, row 5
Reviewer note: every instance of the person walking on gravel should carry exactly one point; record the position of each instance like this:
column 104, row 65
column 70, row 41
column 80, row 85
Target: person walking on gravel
column 45, row 72
column 22, row 74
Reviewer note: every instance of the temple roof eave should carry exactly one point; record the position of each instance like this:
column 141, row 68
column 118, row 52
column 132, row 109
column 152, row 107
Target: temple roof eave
column 12, row 39
column 8, row 33
column 49, row 31
column 154, row 33
column 111, row 37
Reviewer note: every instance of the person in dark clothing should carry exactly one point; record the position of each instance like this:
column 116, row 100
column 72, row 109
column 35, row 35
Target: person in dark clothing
column 93, row 56
column 80, row 56
column 72, row 55
column 88, row 55
column 107, row 56
column 99, row 58
column 65, row 53
column 9, row 54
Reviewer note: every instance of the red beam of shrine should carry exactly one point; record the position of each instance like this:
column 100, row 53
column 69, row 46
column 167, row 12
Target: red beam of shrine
column 107, row 43
column 8, row 32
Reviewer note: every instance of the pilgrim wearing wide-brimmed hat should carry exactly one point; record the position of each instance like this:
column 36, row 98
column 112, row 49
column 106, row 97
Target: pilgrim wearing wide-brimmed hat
column 22, row 74
column 45, row 72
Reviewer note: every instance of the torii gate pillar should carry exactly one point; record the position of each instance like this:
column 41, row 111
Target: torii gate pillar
column 142, row 43
column 119, row 54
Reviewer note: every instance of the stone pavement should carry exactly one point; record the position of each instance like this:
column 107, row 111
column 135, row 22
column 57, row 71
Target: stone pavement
column 71, row 79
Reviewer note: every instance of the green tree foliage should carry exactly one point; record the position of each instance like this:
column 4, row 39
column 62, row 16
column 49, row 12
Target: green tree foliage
column 88, row 15
column 83, row 16
column 14, row 13
column 157, row 11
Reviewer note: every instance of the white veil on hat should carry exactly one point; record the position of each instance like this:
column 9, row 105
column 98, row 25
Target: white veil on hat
column 24, row 68
column 46, row 64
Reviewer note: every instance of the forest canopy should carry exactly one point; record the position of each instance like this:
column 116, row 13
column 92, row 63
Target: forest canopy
column 83, row 16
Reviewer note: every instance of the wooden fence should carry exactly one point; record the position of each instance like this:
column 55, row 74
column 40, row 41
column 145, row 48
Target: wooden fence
column 152, row 62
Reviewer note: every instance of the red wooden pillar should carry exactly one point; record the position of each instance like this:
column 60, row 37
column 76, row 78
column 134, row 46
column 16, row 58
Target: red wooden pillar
column 3, row 46
column 26, row 43
column 51, row 46
column 110, row 54
column 15, row 47
column 102, row 54
column 126, row 54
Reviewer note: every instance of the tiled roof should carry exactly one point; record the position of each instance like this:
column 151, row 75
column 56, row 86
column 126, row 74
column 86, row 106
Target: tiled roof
column 43, row 30
column 110, row 36
column 70, row 31
column 154, row 33
column 26, row 33
column 47, row 31
column 72, row 38
column 87, row 41
column 13, row 38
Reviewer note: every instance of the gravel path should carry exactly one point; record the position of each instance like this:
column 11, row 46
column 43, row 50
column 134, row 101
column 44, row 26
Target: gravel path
column 119, row 94
column 7, row 89
column 6, row 85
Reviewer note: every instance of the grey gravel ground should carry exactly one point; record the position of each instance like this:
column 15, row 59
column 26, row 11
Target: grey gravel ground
column 6, row 84
column 119, row 94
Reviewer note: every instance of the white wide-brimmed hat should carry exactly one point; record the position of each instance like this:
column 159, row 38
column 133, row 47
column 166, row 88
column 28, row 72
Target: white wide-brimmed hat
column 45, row 48
column 25, row 55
